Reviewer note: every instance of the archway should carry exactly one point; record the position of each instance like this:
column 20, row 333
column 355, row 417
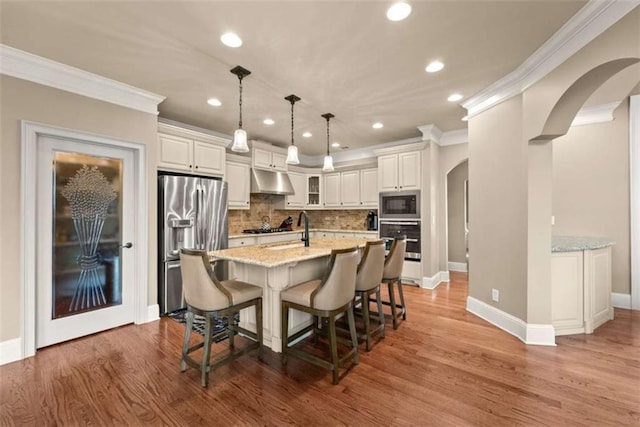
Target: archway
column 457, row 216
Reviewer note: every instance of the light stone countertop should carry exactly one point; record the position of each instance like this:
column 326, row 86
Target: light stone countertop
column 321, row 230
column 281, row 253
column 579, row 243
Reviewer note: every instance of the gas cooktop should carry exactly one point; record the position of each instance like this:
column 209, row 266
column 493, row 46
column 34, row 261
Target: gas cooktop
column 261, row 231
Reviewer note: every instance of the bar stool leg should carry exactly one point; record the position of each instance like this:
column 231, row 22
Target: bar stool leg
column 259, row 330
column 392, row 300
column 206, row 351
column 367, row 321
column 284, row 331
column 354, row 335
column 185, row 343
column 401, row 292
column 333, row 344
column 231, row 329
column 380, row 312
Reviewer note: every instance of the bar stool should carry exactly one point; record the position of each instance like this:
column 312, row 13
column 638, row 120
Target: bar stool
column 392, row 275
column 368, row 281
column 324, row 298
column 207, row 296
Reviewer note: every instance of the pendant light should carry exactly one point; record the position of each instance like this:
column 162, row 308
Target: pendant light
column 328, row 160
column 240, row 135
column 292, row 151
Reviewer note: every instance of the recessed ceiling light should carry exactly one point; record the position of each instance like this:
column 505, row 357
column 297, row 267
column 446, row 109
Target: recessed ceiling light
column 434, row 67
column 307, row 134
column 214, row 102
column 231, row 40
column 398, row 11
column 268, row 122
column 335, row 144
column 454, row 97
column 465, row 118
column 377, row 125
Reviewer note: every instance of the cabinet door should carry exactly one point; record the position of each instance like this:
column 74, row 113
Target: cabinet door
column 175, row 153
column 208, row 158
column 332, row 190
column 567, row 306
column 262, row 159
column 388, row 172
column 237, row 177
column 279, row 162
column 299, row 182
column 313, row 191
column 369, row 188
column 350, row 188
column 409, row 171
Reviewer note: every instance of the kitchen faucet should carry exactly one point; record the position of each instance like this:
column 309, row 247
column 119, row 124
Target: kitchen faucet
column 305, row 235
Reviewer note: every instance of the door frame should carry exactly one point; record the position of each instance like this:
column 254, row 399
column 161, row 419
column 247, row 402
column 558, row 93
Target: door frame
column 30, row 133
column 634, row 188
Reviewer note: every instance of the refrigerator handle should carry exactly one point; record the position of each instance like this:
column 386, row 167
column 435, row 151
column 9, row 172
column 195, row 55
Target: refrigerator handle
column 196, row 233
column 200, row 223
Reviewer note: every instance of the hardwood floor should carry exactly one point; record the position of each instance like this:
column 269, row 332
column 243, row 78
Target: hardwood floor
column 443, row 366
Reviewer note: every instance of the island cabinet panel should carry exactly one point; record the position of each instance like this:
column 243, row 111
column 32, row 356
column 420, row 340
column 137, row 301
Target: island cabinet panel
column 350, row 189
column 238, row 181
column 597, row 276
column 332, row 190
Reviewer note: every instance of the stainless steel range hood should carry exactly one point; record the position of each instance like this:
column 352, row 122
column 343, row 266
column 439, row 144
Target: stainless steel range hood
column 270, row 182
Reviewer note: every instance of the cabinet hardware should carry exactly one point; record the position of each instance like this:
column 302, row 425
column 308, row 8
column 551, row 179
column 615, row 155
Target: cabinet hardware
column 189, row 165
column 127, row 245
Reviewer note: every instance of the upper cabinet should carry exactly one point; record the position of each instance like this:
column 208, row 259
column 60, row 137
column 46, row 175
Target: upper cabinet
column 351, row 189
column 332, row 190
column 237, row 178
column 313, row 192
column 369, row 188
column 299, row 182
column 266, row 159
column 399, row 172
column 184, row 150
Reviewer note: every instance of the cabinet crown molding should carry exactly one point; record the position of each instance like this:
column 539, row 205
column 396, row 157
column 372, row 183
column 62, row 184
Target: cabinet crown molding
column 267, row 146
column 401, row 148
column 235, row 158
column 174, row 130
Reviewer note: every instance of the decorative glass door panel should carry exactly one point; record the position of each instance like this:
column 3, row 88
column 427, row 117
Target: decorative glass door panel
column 86, row 229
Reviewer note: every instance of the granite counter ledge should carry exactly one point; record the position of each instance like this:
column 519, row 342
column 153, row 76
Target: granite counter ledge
column 579, row 243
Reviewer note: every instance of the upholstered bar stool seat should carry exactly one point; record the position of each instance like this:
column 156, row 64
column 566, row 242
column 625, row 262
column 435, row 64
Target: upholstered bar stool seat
column 392, row 276
column 325, row 298
column 368, row 279
column 207, row 296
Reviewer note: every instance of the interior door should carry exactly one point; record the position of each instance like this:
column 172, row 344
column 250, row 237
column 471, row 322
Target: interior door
column 85, row 212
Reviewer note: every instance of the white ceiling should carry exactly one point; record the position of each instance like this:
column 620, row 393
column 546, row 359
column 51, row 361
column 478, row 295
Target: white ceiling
column 339, row 56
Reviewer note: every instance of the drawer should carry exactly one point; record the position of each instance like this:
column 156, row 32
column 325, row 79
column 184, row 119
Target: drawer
column 242, row 241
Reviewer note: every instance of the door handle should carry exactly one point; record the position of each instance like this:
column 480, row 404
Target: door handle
column 127, row 245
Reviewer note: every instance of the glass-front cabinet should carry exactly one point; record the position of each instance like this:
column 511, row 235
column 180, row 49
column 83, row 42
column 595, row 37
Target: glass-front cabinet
column 313, row 191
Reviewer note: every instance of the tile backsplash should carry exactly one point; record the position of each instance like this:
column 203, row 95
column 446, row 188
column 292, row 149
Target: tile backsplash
column 264, row 205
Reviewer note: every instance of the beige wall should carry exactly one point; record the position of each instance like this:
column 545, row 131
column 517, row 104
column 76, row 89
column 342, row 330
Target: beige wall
column 591, row 187
column 455, row 212
column 22, row 100
column 498, row 207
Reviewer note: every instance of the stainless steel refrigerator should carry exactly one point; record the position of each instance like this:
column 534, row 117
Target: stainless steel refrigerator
column 193, row 215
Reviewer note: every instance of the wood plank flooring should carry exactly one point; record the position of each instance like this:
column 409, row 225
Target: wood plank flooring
column 443, row 366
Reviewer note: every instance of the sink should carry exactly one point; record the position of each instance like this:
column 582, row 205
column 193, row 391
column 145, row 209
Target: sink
column 287, row 246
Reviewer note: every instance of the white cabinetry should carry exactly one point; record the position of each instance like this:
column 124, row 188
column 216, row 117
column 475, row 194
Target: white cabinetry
column 399, row 172
column 581, row 290
column 296, row 200
column 369, row 188
column 237, row 178
column 265, row 159
column 313, row 200
column 332, row 190
column 350, row 189
column 185, row 150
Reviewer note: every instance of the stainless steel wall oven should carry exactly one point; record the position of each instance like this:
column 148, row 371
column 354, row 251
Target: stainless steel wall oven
column 389, row 229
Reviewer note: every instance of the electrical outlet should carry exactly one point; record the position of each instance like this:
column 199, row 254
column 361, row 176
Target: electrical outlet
column 495, row 295
column 553, row 220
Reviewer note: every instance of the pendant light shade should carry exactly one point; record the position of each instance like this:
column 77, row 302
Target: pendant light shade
column 240, row 135
column 292, row 151
column 328, row 160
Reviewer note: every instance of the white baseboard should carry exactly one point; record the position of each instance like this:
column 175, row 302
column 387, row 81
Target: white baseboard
column 153, row 313
column 457, row 266
column 433, row 282
column 10, row 351
column 621, row 300
column 531, row 334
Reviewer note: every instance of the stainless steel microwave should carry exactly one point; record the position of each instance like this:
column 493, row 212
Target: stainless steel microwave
column 399, row 205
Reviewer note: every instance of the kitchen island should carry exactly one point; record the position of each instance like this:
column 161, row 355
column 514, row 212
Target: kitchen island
column 581, row 283
column 276, row 267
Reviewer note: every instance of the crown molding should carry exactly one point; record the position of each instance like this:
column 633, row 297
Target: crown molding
column 590, row 21
column 178, row 129
column 453, row 137
column 597, row 114
column 430, row 133
column 27, row 66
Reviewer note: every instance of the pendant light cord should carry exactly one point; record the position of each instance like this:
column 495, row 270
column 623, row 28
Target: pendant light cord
column 328, row 136
column 240, row 123
column 292, row 102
